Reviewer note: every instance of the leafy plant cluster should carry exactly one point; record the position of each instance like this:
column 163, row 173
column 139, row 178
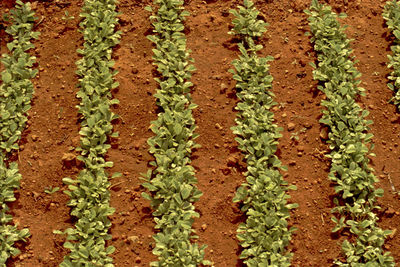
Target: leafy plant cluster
column 265, row 235
column 391, row 14
column 172, row 181
column 349, row 141
column 16, row 93
column 89, row 194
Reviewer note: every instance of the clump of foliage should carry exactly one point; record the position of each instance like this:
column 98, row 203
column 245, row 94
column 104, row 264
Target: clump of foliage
column 172, row 181
column 15, row 100
column 349, row 142
column 89, row 193
column 265, row 234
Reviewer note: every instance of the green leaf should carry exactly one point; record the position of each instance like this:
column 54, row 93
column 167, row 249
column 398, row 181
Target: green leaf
column 185, row 191
column 6, row 77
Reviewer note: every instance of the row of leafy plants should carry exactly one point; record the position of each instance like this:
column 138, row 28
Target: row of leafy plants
column 172, row 181
column 16, row 93
column 265, row 235
column 89, row 193
column 349, row 142
column 391, row 14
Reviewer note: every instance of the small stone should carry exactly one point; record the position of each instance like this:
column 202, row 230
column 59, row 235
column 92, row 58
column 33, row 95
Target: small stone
column 223, row 89
column 132, row 239
column 232, row 160
column 218, row 126
column 138, row 260
column 124, row 19
column 394, row 119
column 390, row 212
column 68, row 159
column 291, row 126
column 307, row 125
column 324, row 133
column 300, row 148
column 277, row 56
column 225, row 171
column 292, row 163
column 34, row 137
column 393, row 233
column 35, row 195
column 204, row 227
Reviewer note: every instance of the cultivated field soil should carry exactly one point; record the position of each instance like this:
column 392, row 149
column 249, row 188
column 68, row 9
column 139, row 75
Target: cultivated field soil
column 47, row 153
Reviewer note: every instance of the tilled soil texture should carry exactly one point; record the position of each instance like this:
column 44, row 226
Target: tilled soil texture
column 47, row 146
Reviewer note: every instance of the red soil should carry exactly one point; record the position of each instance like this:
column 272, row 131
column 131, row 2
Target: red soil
column 53, row 128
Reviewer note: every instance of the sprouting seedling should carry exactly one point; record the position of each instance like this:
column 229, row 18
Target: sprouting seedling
column 67, row 17
column 51, row 190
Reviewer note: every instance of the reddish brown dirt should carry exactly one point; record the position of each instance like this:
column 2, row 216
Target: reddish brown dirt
column 53, row 129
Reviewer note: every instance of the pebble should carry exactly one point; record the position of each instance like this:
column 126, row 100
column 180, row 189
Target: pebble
column 68, row 157
column 324, row 133
column 223, row 88
column 291, row 126
column 34, row 137
column 307, row 125
column 393, row 233
column 390, row 212
column 132, row 239
column 232, row 160
column 394, row 119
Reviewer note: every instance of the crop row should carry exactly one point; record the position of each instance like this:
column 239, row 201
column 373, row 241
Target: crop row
column 391, row 14
column 265, row 234
column 348, row 141
column 172, row 181
column 16, row 93
column 89, row 193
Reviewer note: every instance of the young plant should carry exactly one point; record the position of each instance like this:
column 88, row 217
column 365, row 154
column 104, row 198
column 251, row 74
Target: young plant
column 172, row 181
column 89, row 193
column 349, row 142
column 15, row 97
column 265, row 234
